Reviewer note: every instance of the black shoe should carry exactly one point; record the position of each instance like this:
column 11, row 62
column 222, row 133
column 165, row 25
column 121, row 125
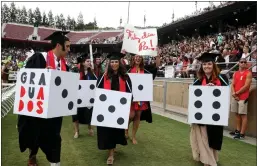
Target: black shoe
column 234, row 132
column 242, row 136
column 239, row 136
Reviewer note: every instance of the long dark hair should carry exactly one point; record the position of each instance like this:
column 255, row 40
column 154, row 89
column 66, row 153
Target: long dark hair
column 121, row 71
column 141, row 65
column 82, row 69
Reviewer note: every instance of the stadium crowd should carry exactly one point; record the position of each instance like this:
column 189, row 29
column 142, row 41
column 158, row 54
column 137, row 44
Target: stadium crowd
column 232, row 45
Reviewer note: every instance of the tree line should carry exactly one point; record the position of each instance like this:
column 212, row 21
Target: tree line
column 37, row 18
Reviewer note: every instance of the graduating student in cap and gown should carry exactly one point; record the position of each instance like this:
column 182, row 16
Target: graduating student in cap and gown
column 206, row 140
column 35, row 133
column 140, row 110
column 84, row 114
column 114, row 79
column 97, row 64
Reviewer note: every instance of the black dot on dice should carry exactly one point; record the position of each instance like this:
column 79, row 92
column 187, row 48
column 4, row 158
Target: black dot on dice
column 92, row 86
column 100, row 118
column 79, row 101
column 198, row 104
column 198, row 116
column 120, row 121
column 102, row 97
column 64, row 93
column 92, row 100
column 216, row 117
column 58, row 81
column 216, row 105
column 79, row 87
column 123, row 100
column 111, row 108
column 198, row 92
column 216, row 92
column 70, row 105
column 140, row 87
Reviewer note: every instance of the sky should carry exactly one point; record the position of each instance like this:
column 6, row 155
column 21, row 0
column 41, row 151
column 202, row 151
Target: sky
column 108, row 14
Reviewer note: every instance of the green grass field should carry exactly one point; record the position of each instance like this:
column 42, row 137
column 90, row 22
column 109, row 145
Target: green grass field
column 163, row 143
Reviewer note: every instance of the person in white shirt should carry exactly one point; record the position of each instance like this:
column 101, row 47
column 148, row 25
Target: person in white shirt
column 178, row 67
column 246, row 53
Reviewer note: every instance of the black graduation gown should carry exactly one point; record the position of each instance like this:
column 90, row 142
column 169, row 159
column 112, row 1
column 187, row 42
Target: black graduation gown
column 108, row 138
column 215, row 133
column 84, row 114
column 146, row 115
column 41, row 133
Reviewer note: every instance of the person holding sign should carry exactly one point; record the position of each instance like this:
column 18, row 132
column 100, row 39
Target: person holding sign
column 84, row 114
column 140, row 110
column 35, row 133
column 206, row 140
column 114, row 79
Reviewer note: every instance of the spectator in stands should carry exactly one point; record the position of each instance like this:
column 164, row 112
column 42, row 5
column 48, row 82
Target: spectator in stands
column 227, row 57
column 167, row 61
column 189, row 69
column 5, row 71
column 221, row 59
column 240, row 91
column 246, row 52
column 254, row 39
column 178, row 68
column 253, row 58
column 185, row 62
column 174, row 61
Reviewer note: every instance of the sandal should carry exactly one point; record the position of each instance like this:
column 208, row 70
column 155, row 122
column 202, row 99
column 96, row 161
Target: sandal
column 110, row 160
column 32, row 161
column 91, row 132
column 76, row 135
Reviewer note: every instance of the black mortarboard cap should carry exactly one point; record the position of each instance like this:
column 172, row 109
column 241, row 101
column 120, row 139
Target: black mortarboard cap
column 97, row 55
column 80, row 59
column 57, row 36
column 115, row 56
column 83, row 57
column 208, row 57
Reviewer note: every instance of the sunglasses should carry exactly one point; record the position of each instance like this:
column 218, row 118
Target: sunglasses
column 243, row 62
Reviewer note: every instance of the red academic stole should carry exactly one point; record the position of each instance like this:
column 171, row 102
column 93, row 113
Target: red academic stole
column 107, row 84
column 216, row 82
column 134, row 70
column 50, row 62
column 81, row 74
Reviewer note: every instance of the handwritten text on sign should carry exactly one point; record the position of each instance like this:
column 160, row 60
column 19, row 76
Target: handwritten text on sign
column 140, row 41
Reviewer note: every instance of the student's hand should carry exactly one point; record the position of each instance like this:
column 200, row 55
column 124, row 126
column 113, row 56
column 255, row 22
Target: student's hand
column 123, row 51
column 210, row 84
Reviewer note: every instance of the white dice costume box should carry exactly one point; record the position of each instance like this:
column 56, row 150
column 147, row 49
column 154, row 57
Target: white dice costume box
column 46, row 93
column 142, row 86
column 111, row 109
column 209, row 105
column 86, row 93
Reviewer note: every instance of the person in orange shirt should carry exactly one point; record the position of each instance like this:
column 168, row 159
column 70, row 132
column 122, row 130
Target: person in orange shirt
column 240, row 88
